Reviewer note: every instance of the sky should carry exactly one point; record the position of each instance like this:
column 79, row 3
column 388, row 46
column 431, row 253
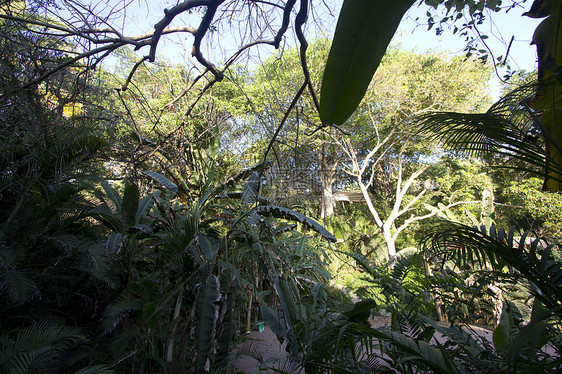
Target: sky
column 504, row 26
column 500, row 28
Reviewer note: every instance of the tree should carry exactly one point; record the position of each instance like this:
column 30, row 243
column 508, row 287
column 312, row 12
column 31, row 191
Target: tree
column 154, row 267
column 391, row 157
column 348, row 78
column 303, row 148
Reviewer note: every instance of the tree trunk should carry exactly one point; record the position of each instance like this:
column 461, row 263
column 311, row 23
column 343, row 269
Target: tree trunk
column 327, row 202
column 390, row 244
column 487, row 219
column 441, row 316
column 327, row 179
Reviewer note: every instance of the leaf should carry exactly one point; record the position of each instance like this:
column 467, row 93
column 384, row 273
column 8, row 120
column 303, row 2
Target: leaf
column 301, row 245
column 361, row 311
column 19, row 285
column 112, row 194
column 206, row 313
column 95, row 369
column 289, row 307
column 162, row 180
column 114, row 242
column 244, row 174
column 130, row 203
column 436, row 359
column 288, row 214
column 534, row 335
column 140, row 228
column 251, row 189
column 508, row 327
column 150, row 314
column 286, row 297
column 225, row 339
column 456, row 334
column 36, row 347
column 273, row 319
column 363, row 32
column 209, row 247
column 145, row 205
column 117, row 311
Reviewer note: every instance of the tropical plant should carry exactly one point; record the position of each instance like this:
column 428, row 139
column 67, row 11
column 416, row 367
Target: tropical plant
column 349, row 346
column 513, row 259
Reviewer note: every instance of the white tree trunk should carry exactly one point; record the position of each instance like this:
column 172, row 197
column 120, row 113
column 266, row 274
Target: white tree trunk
column 390, row 242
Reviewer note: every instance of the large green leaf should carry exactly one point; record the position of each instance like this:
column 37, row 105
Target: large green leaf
column 206, row 307
column 150, row 314
column 161, row 179
column 145, row 205
column 112, row 194
column 274, row 320
column 130, row 203
column 209, row 246
column 288, row 214
column 363, row 32
column 508, row 328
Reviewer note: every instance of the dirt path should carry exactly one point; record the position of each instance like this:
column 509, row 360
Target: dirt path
column 264, row 345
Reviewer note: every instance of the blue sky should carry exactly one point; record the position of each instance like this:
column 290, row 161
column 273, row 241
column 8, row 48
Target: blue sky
column 143, row 15
column 500, row 28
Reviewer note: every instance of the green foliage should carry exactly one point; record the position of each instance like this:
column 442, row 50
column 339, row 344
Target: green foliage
column 126, row 278
column 531, row 261
column 505, row 332
column 363, row 32
column 37, row 347
column 280, row 212
column 534, row 209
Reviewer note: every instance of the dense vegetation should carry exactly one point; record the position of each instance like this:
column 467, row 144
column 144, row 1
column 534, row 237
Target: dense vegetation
column 146, row 228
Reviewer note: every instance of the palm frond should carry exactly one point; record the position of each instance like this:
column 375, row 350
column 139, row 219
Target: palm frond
column 162, row 180
column 291, row 215
column 464, row 245
column 509, row 129
column 117, row 312
column 531, row 259
column 402, row 349
column 96, row 261
column 19, row 286
column 243, row 175
column 95, row 369
column 35, row 347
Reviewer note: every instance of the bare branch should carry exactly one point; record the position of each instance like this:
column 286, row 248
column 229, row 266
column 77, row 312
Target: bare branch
column 132, row 72
column 428, row 215
column 286, row 16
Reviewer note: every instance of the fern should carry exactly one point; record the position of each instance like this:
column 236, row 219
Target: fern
column 116, row 312
column 18, row 285
column 37, row 346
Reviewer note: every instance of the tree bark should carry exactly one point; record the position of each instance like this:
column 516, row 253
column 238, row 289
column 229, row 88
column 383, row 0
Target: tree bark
column 327, row 168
